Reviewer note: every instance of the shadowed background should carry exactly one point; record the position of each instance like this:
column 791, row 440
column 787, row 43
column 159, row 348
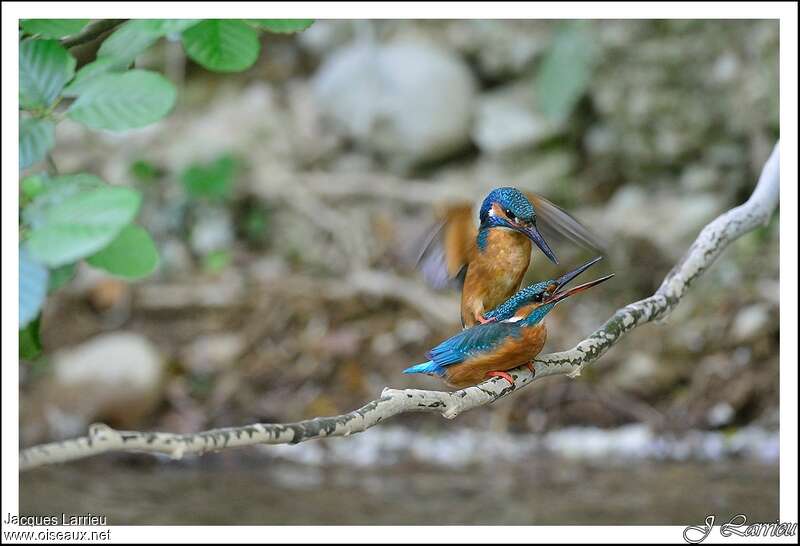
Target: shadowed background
column 286, row 202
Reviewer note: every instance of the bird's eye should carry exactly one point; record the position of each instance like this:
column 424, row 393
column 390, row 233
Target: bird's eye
column 511, row 215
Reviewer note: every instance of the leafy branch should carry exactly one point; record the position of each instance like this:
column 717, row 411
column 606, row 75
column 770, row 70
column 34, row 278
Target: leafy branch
column 73, row 217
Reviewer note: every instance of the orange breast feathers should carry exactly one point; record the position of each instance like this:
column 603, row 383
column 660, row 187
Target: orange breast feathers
column 514, row 352
column 495, row 273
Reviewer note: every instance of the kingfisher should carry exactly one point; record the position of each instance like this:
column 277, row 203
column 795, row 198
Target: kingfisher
column 513, row 334
column 490, row 260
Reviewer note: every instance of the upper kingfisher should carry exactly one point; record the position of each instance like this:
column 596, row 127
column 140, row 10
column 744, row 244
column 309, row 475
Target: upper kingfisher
column 512, row 336
column 491, row 258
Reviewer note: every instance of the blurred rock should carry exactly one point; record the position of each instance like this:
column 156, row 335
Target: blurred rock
column 109, row 293
column 699, row 177
column 720, row 415
column 384, row 344
column 409, row 101
column 268, row 269
column 109, row 296
column 115, row 378
column 750, row 322
column 507, row 120
column 411, row 331
column 213, row 230
column 248, row 120
column 340, row 342
column 637, row 369
column 212, row 353
column 637, row 212
column 175, row 257
column 502, row 48
column 653, row 123
column 325, row 36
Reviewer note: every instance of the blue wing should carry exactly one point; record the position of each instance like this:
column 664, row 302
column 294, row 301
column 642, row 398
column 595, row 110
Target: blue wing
column 482, row 338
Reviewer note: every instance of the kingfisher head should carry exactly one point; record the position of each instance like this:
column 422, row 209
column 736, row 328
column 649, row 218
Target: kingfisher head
column 543, row 296
column 509, row 208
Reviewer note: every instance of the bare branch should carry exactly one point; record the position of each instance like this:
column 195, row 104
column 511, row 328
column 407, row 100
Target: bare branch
column 713, row 239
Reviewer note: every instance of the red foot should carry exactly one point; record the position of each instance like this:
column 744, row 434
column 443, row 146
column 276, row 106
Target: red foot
column 483, row 320
column 504, row 375
column 530, row 367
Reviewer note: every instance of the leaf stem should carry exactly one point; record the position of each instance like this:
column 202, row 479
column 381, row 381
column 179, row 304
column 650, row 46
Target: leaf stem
column 92, row 32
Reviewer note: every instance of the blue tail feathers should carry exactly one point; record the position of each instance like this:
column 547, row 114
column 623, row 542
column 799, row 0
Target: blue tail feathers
column 429, row 367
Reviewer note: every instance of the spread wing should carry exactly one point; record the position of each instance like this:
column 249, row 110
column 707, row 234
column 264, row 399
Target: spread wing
column 448, row 248
column 478, row 339
column 556, row 223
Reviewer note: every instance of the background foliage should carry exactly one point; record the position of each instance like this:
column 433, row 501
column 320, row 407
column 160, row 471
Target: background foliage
column 68, row 218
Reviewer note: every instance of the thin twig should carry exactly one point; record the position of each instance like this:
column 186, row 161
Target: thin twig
column 91, row 32
column 713, row 239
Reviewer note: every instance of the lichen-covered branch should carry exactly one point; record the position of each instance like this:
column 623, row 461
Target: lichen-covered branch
column 707, row 247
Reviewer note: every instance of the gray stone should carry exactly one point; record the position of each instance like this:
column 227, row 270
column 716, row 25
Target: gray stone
column 213, row 352
column 666, row 218
column 409, row 101
column 750, row 322
column 212, row 231
column 116, row 377
column 507, row 120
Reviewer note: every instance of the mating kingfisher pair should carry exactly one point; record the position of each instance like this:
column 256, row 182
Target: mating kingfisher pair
column 503, row 325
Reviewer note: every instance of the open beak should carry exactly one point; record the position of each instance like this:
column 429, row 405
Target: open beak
column 559, row 293
column 558, row 296
column 564, row 279
column 533, row 234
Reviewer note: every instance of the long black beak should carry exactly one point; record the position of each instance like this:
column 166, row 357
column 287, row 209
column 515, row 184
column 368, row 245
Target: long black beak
column 564, row 279
column 558, row 296
column 533, row 233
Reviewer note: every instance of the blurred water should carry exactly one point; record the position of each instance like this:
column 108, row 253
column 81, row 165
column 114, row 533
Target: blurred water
column 388, row 445
column 542, row 490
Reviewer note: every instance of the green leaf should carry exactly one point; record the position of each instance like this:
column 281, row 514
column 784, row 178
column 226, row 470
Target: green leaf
column 32, row 186
column 118, row 102
column 212, row 180
column 131, row 38
column 30, row 346
column 132, row 254
column 32, row 287
column 81, row 224
column 36, row 137
column 49, row 192
column 44, row 67
column 136, row 35
column 53, row 28
column 170, row 27
column 564, row 74
column 144, row 171
column 284, row 26
column 61, row 276
column 87, row 74
column 222, row 45
column 216, row 261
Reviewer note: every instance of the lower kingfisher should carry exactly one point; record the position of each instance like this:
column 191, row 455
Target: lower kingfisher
column 491, row 259
column 512, row 336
